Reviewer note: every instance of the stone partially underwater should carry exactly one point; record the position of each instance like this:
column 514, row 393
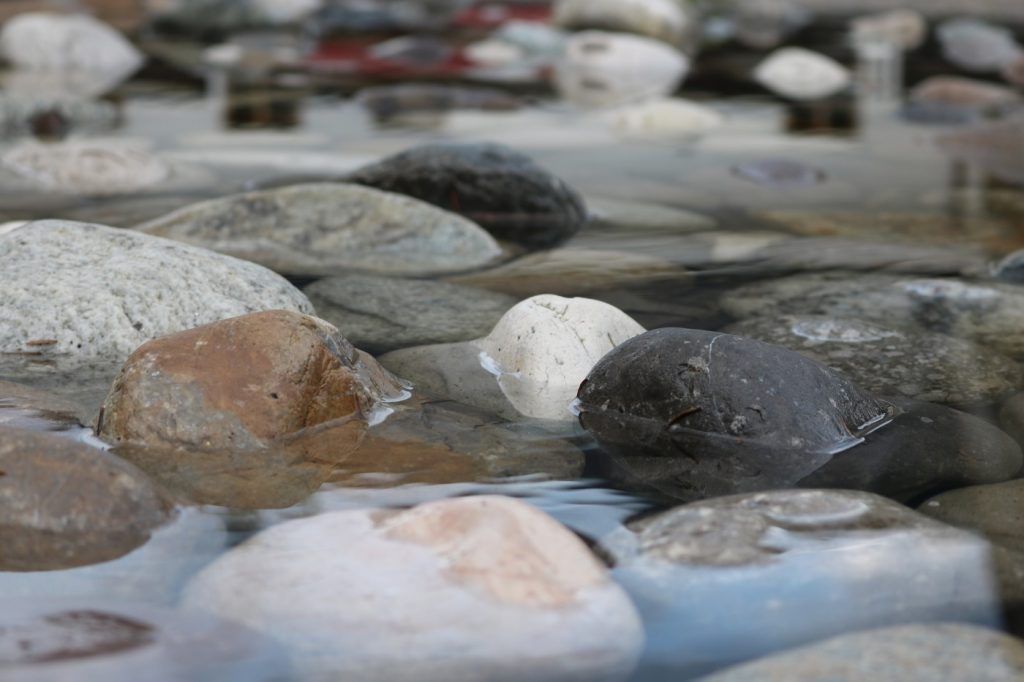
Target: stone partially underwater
column 694, row 414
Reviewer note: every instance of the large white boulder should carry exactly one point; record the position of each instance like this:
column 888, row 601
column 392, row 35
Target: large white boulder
column 39, row 41
column 473, row 588
column 92, row 291
column 608, row 69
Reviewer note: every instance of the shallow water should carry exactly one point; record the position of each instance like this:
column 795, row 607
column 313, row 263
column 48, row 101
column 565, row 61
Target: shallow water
column 778, row 197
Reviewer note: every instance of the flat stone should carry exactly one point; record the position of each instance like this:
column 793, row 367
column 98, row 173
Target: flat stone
column 521, row 595
column 986, row 313
column 88, row 292
column 956, row 99
column 439, row 442
column 908, row 653
column 996, row 511
column 500, row 189
column 885, row 361
column 800, row 74
column 731, row 579
column 105, row 509
column 323, row 229
column 47, row 640
column 380, row 314
column 536, row 357
column 625, row 214
column 247, row 412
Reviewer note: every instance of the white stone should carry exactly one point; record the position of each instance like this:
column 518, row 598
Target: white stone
column 319, row 229
column 976, row 45
column 902, row 28
column 493, row 52
column 91, row 291
column 473, row 588
column 85, row 167
column 286, row 11
column 67, row 43
column 659, row 19
column 610, row 69
column 665, row 118
column 801, row 74
column 546, row 345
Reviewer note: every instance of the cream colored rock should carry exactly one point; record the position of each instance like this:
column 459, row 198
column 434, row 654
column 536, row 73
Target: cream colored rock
column 473, row 588
column 665, row 119
column 609, row 69
column 39, row 41
column 84, row 167
column 902, row 28
column 663, row 20
column 797, row 73
column 543, row 348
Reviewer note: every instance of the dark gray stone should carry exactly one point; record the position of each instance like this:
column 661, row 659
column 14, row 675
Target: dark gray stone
column 498, row 188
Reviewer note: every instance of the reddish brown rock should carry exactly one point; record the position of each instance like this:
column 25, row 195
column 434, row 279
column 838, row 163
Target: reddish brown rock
column 64, row 504
column 223, row 411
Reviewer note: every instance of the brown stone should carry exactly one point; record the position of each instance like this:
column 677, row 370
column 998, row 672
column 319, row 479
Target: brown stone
column 223, row 411
column 64, row 504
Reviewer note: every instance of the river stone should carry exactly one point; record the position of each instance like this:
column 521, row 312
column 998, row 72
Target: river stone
column 600, row 69
column 86, row 167
column 50, row 640
column 440, row 442
column 721, row 413
column 105, row 509
column 976, row 45
column 915, row 364
column 234, row 410
column 1013, row 71
column 536, row 357
column 764, row 24
column 957, row 99
column 320, row 229
column 730, row 579
column 664, row 119
column 664, row 20
column 40, row 41
column 379, row 314
column 21, row 405
column 908, row 653
column 800, row 74
column 996, row 510
column 498, row 188
column 519, row 595
column 905, row 29
column 625, row 214
column 777, row 173
column 989, row 314
column 89, row 291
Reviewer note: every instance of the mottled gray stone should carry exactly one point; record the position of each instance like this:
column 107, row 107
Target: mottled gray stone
column 909, row 653
column 730, row 579
column 995, row 510
column 990, row 314
column 89, row 291
column 909, row 363
column 379, row 314
column 323, row 229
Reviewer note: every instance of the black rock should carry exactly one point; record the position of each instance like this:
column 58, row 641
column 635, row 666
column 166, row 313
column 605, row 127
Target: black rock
column 704, row 413
column 503, row 191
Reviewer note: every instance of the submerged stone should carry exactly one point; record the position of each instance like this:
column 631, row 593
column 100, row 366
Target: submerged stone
column 913, row 364
column 601, row 69
column 519, row 594
column 532, row 361
column 48, row 640
column 90, row 292
column 28, row 407
column 734, row 578
column 800, row 74
column 498, row 188
column 247, row 412
column 729, row 414
column 321, row 229
column 105, row 507
column 779, row 173
column 955, row 99
column 907, row 653
column 380, row 314
column 665, row 20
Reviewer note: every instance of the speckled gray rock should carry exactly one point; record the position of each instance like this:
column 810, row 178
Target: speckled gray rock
column 379, row 314
column 322, row 229
column 996, row 510
column 909, row 653
column 990, row 314
column 734, row 578
column 105, row 507
column 497, row 187
column 914, row 364
column 89, row 291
